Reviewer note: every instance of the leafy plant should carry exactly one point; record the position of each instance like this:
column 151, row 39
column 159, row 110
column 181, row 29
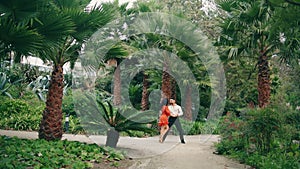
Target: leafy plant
column 100, row 116
column 20, row 153
column 124, row 120
column 262, row 138
column 40, row 86
column 19, row 115
column 5, row 84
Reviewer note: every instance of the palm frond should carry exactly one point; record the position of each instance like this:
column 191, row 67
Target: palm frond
column 19, row 37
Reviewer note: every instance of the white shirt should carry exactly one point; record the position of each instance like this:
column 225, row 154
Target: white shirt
column 176, row 109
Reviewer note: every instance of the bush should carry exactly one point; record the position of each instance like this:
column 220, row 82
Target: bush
column 231, row 131
column 19, row 115
column 198, row 127
column 74, row 125
column 262, row 138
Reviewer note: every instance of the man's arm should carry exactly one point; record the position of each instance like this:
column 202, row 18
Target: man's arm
column 180, row 112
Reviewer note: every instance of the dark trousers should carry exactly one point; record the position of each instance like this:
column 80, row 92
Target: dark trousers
column 174, row 120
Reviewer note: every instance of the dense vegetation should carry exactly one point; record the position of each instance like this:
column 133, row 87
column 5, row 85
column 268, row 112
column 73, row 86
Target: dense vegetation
column 258, row 44
column 19, row 153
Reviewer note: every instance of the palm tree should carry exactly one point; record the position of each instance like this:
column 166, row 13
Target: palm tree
column 114, row 57
column 53, row 31
column 64, row 46
column 246, row 31
column 145, row 94
column 268, row 29
column 17, row 37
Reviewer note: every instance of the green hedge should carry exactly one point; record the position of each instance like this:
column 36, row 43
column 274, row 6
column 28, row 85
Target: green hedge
column 19, row 115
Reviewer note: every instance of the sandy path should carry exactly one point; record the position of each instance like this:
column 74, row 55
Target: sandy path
column 197, row 153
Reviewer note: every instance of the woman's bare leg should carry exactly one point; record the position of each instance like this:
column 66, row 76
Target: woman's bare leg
column 163, row 131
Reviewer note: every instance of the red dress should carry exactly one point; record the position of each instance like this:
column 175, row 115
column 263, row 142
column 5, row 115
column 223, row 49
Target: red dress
column 165, row 113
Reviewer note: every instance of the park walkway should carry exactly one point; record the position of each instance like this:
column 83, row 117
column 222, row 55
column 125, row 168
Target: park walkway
column 148, row 153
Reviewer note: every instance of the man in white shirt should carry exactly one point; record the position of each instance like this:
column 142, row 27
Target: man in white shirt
column 176, row 112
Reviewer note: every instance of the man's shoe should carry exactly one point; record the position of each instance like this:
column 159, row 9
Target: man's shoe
column 182, row 141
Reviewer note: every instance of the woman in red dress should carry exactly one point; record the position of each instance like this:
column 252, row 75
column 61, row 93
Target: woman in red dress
column 163, row 120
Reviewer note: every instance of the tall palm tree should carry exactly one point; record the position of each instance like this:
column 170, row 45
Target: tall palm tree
column 53, row 31
column 114, row 57
column 64, row 46
column 262, row 29
column 246, row 31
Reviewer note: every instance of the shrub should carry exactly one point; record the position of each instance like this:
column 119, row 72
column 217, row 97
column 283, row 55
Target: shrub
column 19, row 115
column 262, row 138
column 231, row 131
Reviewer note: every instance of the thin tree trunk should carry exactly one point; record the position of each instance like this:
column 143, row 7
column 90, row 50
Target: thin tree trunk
column 117, row 87
column 145, row 94
column 188, row 104
column 51, row 123
column 166, row 83
column 173, row 88
column 264, row 89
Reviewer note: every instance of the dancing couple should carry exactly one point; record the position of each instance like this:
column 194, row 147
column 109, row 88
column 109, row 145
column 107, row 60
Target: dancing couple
column 170, row 113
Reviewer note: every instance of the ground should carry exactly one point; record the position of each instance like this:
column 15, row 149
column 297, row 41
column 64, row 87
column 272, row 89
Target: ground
column 148, row 153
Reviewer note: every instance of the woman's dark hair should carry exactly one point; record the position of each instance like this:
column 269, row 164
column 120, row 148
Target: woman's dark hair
column 164, row 102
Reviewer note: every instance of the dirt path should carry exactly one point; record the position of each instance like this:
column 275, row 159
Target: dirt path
column 192, row 155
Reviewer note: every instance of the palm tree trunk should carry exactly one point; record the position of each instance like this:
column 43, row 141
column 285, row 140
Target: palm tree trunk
column 264, row 89
column 51, row 123
column 173, row 88
column 117, row 87
column 145, row 94
column 166, row 83
column 188, row 104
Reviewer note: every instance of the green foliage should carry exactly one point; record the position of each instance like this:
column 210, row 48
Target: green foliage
column 68, row 105
column 18, row 153
column 74, row 125
column 99, row 116
column 19, row 115
column 262, row 127
column 126, row 119
column 6, row 83
column 262, row 138
column 40, row 86
column 198, row 127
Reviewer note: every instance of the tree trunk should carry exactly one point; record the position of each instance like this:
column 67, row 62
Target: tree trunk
column 166, row 83
column 145, row 94
column 188, row 104
column 173, row 88
column 264, row 89
column 51, row 123
column 117, row 87
column 112, row 138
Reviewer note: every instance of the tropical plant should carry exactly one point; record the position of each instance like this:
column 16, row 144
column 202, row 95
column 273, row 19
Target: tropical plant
column 55, row 32
column 124, row 120
column 251, row 29
column 40, row 86
column 5, row 84
column 81, row 26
